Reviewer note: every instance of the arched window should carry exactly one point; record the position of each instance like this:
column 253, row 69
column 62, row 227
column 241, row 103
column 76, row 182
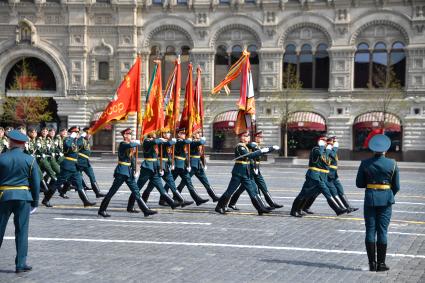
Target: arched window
column 398, row 62
column 321, row 67
column 306, row 66
column 168, row 63
column 154, row 55
column 379, row 65
column 253, row 59
column 234, row 56
column 103, row 73
column 361, row 66
column 184, row 59
column 290, row 62
column 221, row 64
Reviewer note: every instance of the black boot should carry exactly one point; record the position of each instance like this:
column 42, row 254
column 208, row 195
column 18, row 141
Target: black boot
column 102, row 208
column 371, row 255
column 259, row 205
column 86, row 188
column 170, row 202
column 339, row 202
column 47, row 196
column 43, row 186
column 146, row 210
column 62, row 191
column 212, row 194
column 145, row 195
column 334, row 205
column 221, row 205
column 85, row 199
column 270, row 201
column 347, row 204
column 309, row 203
column 198, row 200
column 178, row 196
column 381, row 254
column 96, row 190
column 295, row 207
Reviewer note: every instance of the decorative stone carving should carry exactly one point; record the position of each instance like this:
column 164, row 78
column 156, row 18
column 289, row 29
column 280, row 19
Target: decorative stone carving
column 26, row 32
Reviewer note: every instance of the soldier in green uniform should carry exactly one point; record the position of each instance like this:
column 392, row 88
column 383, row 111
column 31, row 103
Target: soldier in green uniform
column 32, row 149
column 256, row 173
column 44, row 147
column 316, row 180
column 241, row 175
column 196, row 166
column 3, row 141
column 150, row 171
column 19, row 192
column 53, row 151
column 165, row 155
column 124, row 172
column 181, row 168
column 68, row 170
column 379, row 175
column 84, row 165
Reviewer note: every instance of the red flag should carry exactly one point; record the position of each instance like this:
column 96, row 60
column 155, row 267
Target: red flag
column 126, row 100
column 172, row 97
column 188, row 114
column 372, row 133
column 198, row 100
column 153, row 118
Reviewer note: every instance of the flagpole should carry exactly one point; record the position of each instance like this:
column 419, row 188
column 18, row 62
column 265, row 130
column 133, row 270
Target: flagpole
column 138, row 116
column 177, row 84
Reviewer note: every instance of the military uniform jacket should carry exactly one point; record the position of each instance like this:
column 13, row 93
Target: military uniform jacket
column 58, row 141
column 84, row 152
column 3, row 144
column 150, row 154
column 180, row 154
column 333, row 166
column 318, row 163
column 255, row 162
column 70, row 147
column 32, row 148
column 126, row 161
column 45, row 146
column 242, row 166
column 378, row 170
column 19, row 170
column 195, row 154
column 166, row 158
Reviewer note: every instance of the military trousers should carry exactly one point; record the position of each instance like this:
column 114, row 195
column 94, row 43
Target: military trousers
column 260, row 185
column 377, row 219
column 244, row 181
column 312, row 187
column 72, row 176
column 147, row 175
column 118, row 181
column 45, row 166
column 55, row 166
column 21, row 215
column 169, row 183
column 88, row 170
column 200, row 174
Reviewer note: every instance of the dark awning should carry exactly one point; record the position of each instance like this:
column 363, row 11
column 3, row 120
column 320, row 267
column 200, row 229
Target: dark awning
column 225, row 120
column 373, row 120
column 306, row 121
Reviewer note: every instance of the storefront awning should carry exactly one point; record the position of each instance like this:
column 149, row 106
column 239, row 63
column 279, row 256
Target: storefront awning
column 306, row 121
column 374, row 120
column 225, row 120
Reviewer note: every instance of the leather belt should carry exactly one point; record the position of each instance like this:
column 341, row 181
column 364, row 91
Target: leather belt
column 195, row 156
column 124, row 163
column 242, row 162
column 179, row 157
column 9, row 188
column 150, row 159
column 378, row 186
column 318, row 169
column 83, row 155
column 71, row 159
column 333, row 167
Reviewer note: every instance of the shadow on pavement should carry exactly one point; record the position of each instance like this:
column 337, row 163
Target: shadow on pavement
column 6, row 271
column 311, row 264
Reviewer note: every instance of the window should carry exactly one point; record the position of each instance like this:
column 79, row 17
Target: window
column 254, row 60
column 310, row 68
column 379, row 67
column 103, row 71
column 182, row 2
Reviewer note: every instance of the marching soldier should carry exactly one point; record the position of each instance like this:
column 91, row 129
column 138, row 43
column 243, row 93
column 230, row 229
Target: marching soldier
column 181, row 167
column 379, row 175
column 256, row 173
column 150, row 171
column 316, row 180
column 32, row 148
column 196, row 166
column 241, row 175
column 124, row 172
column 19, row 192
column 4, row 144
column 166, row 173
column 84, row 165
column 53, row 151
column 68, row 170
column 44, row 146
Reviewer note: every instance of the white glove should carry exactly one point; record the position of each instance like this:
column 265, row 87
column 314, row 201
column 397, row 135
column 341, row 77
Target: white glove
column 329, row 146
column 205, row 167
column 189, row 168
column 6, row 143
column 189, row 139
column 49, row 146
column 43, row 155
column 84, row 134
column 174, row 140
column 136, row 176
column 26, row 146
column 276, row 147
column 321, row 143
column 136, row 141
column 60, row 154
column 73, row 135
column 203, row 139
column 265, row 150
column 33, row 210
column 336, row 144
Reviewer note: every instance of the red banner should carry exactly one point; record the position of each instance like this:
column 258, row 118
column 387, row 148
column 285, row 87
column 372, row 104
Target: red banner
column 199, row 104
column 188, row 114
column 172, row 98
column 126, row 100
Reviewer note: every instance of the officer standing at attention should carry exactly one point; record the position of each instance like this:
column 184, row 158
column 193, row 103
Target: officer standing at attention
column 124, row 172
column 83, row 163
column 380, row 177
column 19, row 191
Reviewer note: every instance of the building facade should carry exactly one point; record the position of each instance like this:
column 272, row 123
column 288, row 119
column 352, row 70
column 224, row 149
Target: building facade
column 87, row 46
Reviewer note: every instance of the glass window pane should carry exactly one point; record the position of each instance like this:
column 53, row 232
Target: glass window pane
column 380, row 45
column 398, row 66
column 361, row 70
column 306, row 66
column 322, row 70
column 221, row 56
column 103, row 71
column 379, row 68
column 363, row 46
column 398, row 45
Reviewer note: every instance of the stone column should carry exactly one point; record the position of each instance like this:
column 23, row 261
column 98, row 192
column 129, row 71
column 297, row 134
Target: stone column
column 341, row 69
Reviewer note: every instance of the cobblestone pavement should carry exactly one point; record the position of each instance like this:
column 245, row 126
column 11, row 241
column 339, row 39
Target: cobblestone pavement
column 69, row 243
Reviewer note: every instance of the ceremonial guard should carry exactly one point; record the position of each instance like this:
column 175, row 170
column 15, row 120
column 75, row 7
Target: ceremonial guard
column 150, row 171
column 165, row 155
column 3, row 141
column 196, row 165
column 124, row 172
column 54, row 151
column 68, row 169
column 83, row 165
column 19, row 192
column 241, row 175
column 181, row 166
column 316, row 180
column 44, row 146
column 379, row 175
column 32, row 148
column 256, row 173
